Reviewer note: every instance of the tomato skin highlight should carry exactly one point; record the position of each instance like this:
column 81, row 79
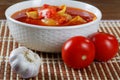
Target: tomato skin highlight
column 106, row 46
column 78, row 52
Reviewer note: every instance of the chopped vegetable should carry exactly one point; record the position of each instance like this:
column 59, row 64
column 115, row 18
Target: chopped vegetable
column 62, row 11
column 76, row 20
column 49, row 22
column 32, row 14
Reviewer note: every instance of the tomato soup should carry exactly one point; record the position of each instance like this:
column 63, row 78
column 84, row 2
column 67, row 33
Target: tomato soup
column 50, row 15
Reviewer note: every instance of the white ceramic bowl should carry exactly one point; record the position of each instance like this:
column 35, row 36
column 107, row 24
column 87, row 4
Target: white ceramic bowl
column 49, row 39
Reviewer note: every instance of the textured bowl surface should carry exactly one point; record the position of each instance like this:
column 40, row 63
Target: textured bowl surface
column 49, row 39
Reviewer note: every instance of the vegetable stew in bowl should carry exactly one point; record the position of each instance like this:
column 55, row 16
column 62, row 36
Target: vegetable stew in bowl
column 46, row 25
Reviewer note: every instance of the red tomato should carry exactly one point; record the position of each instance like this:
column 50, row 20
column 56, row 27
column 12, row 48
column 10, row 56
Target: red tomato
column 78, row 52
column 106, row 46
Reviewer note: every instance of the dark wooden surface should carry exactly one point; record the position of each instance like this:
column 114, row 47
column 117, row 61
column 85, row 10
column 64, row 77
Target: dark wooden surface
column 110, row 8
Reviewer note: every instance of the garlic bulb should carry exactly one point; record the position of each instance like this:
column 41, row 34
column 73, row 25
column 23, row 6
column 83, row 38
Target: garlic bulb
column 25, row 62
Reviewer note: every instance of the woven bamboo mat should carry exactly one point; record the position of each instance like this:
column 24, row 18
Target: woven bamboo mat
column 53, row 67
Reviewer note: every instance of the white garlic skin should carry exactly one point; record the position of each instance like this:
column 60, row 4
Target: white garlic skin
column 25, row 62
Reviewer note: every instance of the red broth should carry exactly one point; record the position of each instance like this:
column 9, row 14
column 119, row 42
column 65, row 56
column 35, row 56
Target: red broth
column 49, row 15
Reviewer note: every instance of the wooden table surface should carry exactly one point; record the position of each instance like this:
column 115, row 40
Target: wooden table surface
column 110, row 8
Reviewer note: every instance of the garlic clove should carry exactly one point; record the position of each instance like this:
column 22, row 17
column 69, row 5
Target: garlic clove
column 25, row 62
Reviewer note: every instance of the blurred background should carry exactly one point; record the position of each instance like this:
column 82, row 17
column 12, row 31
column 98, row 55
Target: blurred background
column 110, row 8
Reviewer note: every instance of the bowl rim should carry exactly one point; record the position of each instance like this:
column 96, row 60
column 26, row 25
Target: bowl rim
column 52, row 27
